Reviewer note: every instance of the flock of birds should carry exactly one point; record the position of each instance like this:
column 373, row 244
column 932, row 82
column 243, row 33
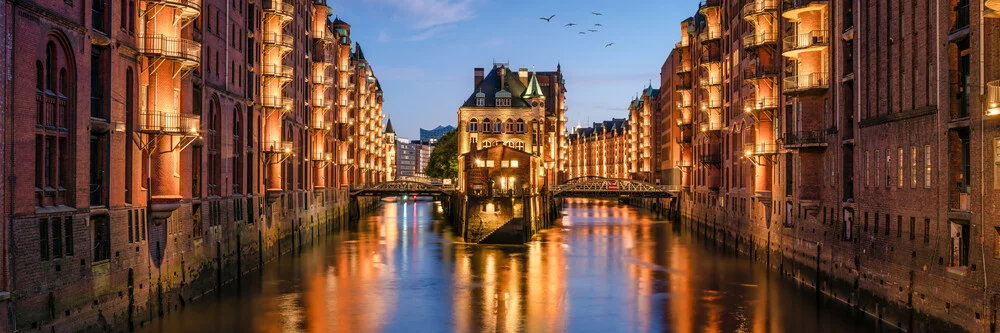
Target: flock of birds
column 571, row 24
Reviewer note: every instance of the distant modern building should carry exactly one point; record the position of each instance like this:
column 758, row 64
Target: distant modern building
column 433, row 135
column 412, row 157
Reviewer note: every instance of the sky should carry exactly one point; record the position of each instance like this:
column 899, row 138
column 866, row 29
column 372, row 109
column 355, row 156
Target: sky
column 424, row 51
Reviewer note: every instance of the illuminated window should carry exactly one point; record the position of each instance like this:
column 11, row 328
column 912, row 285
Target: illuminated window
column 505, row 164
column 490, row 164
column 868, row 179
column 514, row 163
column 913, row 166
column 927, row 166
column 899, row 167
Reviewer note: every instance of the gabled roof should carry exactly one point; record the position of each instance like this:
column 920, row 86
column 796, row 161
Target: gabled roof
column 388, row 127
column 491, row 86
column 338, row 21
column 358, row 54
column 534, row 89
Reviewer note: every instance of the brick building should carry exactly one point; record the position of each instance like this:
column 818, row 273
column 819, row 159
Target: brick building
column 602, row 150
column 515, row 109
column 855, row 143
column 165, row 135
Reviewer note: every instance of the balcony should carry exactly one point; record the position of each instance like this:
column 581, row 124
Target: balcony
column 274, row 102
column 710, row 158
column 760, row 149
column 993, row 4
column 185, row 51
column 169, row 123
column 683, row 69
column 322, row 80
column 712, row 32
column 993, row 98
column 707, row 5
column 710, row 127
column 710, row 58
column 759, row 7
column 185, row 9
column 278, row 71
column 815, row 40
column 319, row 156
column 805, row 139
column 760, row 104
column 758, row 71
column 791, row 9
column 686, row 42
column 277, row 147
column 684, row 140
column 684, row 104
column 283, row 10
column 806, row 82
column 708, row 81
column 279, row 40
column 683, row 84
column 755, row 40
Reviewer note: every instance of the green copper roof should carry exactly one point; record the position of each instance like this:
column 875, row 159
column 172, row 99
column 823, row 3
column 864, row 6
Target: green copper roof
column 534, row 89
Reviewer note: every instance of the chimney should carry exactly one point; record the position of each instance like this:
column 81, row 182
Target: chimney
column 523, row 75
column 479, row 77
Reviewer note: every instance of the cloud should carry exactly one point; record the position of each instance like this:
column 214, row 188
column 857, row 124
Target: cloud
column 383, row 37
column 424, row 14
column 424, row 35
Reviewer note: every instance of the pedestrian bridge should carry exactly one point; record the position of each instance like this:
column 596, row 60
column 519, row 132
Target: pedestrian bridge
column 402, row 187
column 600, row 187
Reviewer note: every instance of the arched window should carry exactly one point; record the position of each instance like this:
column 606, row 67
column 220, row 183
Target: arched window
column 498, row 126
column 473, row 126
column 54, row 174
column 520, row 125
column 130, row 110
column 238, row 149
column 214, row 139
column 510, row 125
column 487, row 126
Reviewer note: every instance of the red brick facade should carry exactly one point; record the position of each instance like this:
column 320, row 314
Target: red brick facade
column 853, row 145
column 156, row 149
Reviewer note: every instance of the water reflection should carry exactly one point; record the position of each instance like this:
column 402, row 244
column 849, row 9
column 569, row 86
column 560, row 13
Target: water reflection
column 610, row 268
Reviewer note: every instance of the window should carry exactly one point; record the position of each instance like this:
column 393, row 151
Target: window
column 899, row 167
column 913, row 167
column 888, row 221
column 473, row 126
column 867, row 168
column 481, row 101
column 959, row 244
column 514, row 163
column 57, row 240
column 913, row 228
column 877, row 180
column 487, row 125
column 520, row 125
column 888, row 167
column 102, row 238
column 996, row 243
column 214, row 141
column 68, row 234
column 490, row 163
column 497, row 126
column 899, row 226
column 505, row 164
column 927, row 230
column 927, row 166
column 875, row 225
column 43, row 239
column 510, row 126
column 54, row 181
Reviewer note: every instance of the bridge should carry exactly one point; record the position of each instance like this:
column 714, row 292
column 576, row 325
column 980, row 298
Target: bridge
column 600, row 187
column 402, row 187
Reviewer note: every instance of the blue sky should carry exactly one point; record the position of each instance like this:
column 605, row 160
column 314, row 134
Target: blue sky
column 424, row 51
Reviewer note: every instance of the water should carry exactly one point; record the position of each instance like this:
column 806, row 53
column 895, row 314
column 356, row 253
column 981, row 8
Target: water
column 609, row 268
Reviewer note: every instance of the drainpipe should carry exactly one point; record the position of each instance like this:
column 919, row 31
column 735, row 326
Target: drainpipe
column 982, row 161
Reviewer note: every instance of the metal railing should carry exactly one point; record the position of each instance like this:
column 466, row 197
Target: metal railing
column 682, row 140
column 806, row 40
column 683, row 68
column 682, row 44
column 711, row 104
column 757, row 39
column 993, row 98
column 807, row 81
column 758, row 149
column 276, row 102
column 710, row 158
column 708, row 80
column 804, row 138
column 794, row 4
column 169, row 122
column 170, row 47
column 758, row 7
column 758, row 104
column 279, row 7
column 711, row 32
column 277, row 147
column 186, row 6
column 281, row 71
column 279, row 39
column 712, row 126
column 321, row 156
column 759, row 71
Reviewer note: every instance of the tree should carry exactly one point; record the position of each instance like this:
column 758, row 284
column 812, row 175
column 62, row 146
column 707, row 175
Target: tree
column 444, row 159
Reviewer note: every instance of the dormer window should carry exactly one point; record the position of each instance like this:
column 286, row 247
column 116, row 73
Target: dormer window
column 503, row 98
column 480, row 98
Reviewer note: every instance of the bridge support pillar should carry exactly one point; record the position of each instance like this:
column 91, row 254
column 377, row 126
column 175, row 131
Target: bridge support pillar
column 353, row 209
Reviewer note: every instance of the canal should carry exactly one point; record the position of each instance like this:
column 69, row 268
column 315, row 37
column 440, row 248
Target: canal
column 608, row 268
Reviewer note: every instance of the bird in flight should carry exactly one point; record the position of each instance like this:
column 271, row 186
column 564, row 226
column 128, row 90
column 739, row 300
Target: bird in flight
column 583, row 33
column 547, row 19
column 569, row 24
column 609, row 45
column 592, row 30
column 598, row 25
column 596, row 13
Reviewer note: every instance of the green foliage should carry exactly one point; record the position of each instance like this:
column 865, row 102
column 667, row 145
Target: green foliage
column 444, row 160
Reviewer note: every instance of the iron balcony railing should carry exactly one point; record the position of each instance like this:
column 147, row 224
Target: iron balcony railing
column 683, row 164
column 684, row 84
column 807, row 81
column 710, row 158
column 683, row 68
column 713, row 126
column 760, row 71
column 683, row 140
column 803, row 138
column 683, row 121
column 756, row 39
column 280, row 71
column 712, row 32
column 708, row 80
column 796, row 4
column 275, row 102
column 169, row 122
column 684, row 104
column 682, row 44
column 277, row 147
column 321, row 156
column 807, row 40
column 279, row 39
column 280, row 8
column 759, row 7
column 711, row 103
column 757, row 149
column 760, row 104
column 175, row 48
column 188, row 8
